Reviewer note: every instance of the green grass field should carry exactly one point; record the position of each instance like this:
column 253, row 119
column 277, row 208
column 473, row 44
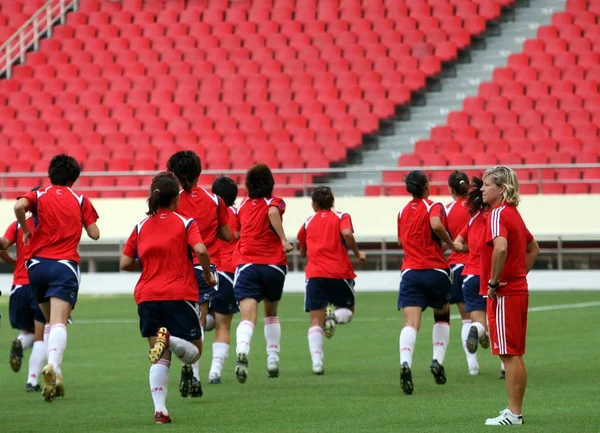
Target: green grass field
column 106, row 377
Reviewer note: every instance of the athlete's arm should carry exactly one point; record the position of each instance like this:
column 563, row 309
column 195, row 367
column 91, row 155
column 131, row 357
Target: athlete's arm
column 202, row 254
column 531, row 253
column 224, row 233
column 93, row 231
column 129, row 264
column 21, row 207
column 351, row 242
column 459, row 244
column 4, row 244
column 439, row 229
column 498, row 260
column 277, row 224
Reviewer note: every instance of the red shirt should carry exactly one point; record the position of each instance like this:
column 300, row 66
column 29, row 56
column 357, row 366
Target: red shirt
column 58, row 213
column 259, row 244
column 210, row 213
column 14, row 235
column 227, row 249
column 472, row 234
column 422, row 247
column 458, row 216
column 162, row 243
column 327, row 253
column 506, row 221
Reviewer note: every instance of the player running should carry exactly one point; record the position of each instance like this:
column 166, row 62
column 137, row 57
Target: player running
column 167, row 291
column 262, row 267
column 224, row 305
column 210, row 214
column 425, row 280
column 24, row 311
column 52, row 259
column 468, row 241
column 508, row 252
column 324, row 239
column 458, row 217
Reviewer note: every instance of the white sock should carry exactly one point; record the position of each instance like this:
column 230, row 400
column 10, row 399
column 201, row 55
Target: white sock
column 408, row 338
column 464, row 333
column 480, row 329
column 46, row 335
column 26, row 339
column 196, row 369
column 243, row 336
column 273, row 337
column 441, row 336
column 219, row 356
column 184, row 350
column 57, row 343
column 315, row 344
column 159, row 381
column 210, row 323
column 502, row 365
column 36, row 362
column 343, row 315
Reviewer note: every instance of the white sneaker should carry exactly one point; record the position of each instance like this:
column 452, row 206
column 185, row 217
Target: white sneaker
column 506, row 418
column 318, row 369
column 272, row 368
column 474, row 371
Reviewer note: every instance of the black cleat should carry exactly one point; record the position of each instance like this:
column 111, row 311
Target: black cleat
column 437, row 369
column 16, row 355
column 185, row 383
column 241, row 367
column 502, row 375
column 30, row 388
column 406, row 382
column 196, row 390
column 472, row 340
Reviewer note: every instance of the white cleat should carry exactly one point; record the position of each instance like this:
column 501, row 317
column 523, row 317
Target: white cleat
column 214, row 377
column 272, row 368
column 506, row 418
column 474, row 371
column 330, row 322
column 318, row 369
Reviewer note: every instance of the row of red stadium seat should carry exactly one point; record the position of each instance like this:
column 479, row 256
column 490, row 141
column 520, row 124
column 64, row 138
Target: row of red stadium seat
column 531, row 188
column 13, row 15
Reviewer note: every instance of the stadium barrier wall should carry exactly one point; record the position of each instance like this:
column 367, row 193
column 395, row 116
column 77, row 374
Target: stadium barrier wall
column 545, row 215
column 367, row 281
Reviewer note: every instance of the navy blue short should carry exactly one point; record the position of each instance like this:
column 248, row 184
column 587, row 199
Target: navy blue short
column 456, row 292
column 206, row 292
column 323, row 291
column 23, row 308
column 259, row 282
column 181, row 318
column 425, row 288
column 224, row 300
column 473, row 300
column 54, row 279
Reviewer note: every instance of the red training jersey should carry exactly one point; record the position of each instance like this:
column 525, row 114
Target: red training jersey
column 259, row 244
column 457, row 214
column 14, row 235
column 227, row 249
column 210, row 212
column 326, row 250
column 472, row 234
column 162, row 243
column 58, row 213
column 505, row 221
column 422, row 247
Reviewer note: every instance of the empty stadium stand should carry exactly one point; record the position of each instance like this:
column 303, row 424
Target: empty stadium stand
column 293, row 84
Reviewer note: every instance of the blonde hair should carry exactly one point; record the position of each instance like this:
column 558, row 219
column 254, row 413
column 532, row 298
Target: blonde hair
column 504, row 176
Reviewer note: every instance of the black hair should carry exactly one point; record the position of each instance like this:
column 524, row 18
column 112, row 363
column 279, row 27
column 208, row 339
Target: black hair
column 163, row 190
column 475, row 196
column 63, row 170
column 35, row 188
column 186, row 165
column 259, row 181
column 226, row 188
column 415, row 183
column 323, row 197
column 459, row 182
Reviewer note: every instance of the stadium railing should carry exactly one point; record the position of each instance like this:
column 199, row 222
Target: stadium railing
column 29, row 34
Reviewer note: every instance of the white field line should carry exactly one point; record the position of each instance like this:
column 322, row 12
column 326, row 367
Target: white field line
column 358, row 319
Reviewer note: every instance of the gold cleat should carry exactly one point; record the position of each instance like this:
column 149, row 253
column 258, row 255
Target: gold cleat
column 60, row 386
column 161, row 344
column 49, row 389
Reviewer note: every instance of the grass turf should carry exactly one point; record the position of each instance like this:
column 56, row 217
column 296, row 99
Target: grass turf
column 106, row 377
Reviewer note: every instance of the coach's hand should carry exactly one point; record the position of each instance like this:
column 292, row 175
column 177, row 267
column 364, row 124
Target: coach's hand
column 362, row 256
column 210, row 279
column 287, row 247
column 493, row 289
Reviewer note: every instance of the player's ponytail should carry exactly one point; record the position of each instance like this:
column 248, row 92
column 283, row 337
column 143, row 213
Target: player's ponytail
column 164, row 189
column 459, row 182
column 323, row 197
column 416, row 181
column 475, row 196
column 186, row 165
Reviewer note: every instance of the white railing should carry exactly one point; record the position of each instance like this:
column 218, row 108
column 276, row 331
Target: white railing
column 29, row 34
column 307, row 181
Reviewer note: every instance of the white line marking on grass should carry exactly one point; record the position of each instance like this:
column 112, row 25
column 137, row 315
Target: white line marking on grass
column 359, row 319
